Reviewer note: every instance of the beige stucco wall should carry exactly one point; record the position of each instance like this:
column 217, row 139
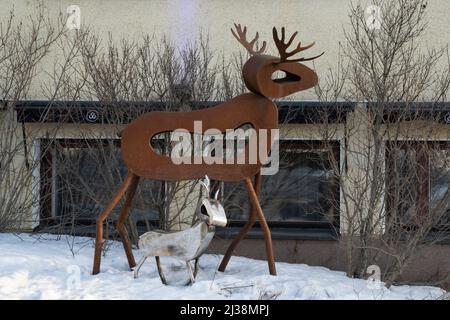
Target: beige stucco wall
column 319, row 20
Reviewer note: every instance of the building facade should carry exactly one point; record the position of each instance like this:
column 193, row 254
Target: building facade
column 327, row 149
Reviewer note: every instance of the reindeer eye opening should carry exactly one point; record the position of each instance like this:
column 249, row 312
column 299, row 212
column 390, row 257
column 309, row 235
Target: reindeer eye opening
column 204, row 211
column 282, row 76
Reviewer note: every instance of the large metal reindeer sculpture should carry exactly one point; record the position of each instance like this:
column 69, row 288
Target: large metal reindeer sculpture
column 254, row 108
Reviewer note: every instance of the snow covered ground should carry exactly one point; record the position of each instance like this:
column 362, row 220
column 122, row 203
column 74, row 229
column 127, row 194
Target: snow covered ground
column 43, row 267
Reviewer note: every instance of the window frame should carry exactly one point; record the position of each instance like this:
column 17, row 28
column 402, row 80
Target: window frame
column 320, row 230
column 424, row 174
column 299, row 230
column 47, row 216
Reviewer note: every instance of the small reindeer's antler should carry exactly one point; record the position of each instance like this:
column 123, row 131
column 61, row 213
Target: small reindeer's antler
column 282, row 47
column 241, row 36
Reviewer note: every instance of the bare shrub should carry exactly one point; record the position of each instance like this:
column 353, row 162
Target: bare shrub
column 23, row 45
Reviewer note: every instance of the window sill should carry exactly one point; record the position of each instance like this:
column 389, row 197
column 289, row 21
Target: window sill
column 281, row 234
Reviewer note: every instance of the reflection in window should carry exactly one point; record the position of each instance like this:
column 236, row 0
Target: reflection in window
column 440, row 184
column 418, row 183
column 405, row 169
column 85, row 175
column 304, row 189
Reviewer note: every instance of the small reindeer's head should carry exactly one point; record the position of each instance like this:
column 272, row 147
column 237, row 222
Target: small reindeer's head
column 259, row 69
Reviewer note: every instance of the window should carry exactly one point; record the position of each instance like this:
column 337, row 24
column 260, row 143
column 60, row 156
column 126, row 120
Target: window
column 302, row 196
column 418, row 184
column 80, row 177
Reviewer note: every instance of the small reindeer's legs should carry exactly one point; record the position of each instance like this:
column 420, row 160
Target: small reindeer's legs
column 196, row 267
column 160, row 272
column 191, row 272
column 248, row 225
column 121, row 222
column 139, row 265
column 264, row 226
column 101, row 219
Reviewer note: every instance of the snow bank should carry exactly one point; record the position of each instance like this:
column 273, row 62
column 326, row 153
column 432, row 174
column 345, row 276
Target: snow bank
column 45, row 267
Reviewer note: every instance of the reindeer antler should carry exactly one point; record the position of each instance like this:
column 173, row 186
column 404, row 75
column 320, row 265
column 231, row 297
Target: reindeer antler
column 241, row 36
column 282, row 47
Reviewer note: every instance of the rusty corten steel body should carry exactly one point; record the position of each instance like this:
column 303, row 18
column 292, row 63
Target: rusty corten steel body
column 247, row 108
column 253, row 108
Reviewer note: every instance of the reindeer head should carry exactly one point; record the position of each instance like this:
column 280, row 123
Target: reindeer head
column 258, row 70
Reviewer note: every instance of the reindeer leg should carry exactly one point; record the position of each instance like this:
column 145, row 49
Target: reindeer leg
column 248, row 225
column 191, row 273
column 264, row 226
column 196, row 267
column 138, row 267
column 122, row 218
column 160, row 272
column 101, row 219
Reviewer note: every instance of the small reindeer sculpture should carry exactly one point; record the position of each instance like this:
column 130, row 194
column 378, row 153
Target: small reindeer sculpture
column 189, row 244
column 254, row 108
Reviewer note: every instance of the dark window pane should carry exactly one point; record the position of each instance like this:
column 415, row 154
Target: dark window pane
column 304, row 189
column 86, row 176
column 440, row 185
column 404, row 176
column 418, row 183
